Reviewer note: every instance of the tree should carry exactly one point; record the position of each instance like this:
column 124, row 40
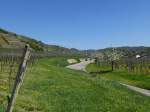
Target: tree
column 113, row 55
column 98, row 56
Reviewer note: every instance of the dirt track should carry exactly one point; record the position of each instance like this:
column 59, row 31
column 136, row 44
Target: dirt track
column 82, row 65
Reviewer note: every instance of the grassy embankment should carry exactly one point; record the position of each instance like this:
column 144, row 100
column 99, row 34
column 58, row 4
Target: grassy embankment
column 52, row 88
column 135, row 79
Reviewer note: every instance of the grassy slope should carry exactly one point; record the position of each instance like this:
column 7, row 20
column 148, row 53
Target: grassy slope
column 94, row 68
column 2, row 41
column 2, row 109
column 123, row 76
column 62, row 61
column 35, row 44
column 51, row 88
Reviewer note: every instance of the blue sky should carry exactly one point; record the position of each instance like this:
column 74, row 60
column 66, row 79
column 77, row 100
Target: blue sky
column 82, row 24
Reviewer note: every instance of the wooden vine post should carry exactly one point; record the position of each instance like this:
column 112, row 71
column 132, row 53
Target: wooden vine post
column 19, row 78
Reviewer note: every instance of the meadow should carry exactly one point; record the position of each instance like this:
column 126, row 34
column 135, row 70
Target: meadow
column 50, row 87
column 122, row 75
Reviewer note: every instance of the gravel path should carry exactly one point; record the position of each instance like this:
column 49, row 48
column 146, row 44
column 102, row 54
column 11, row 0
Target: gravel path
column 140, row 90
column 82, row 65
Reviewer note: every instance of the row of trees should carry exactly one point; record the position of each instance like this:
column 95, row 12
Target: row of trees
column 108, row 57
column 115, row 59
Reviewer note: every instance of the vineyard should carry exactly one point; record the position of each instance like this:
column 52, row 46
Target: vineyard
column 10, row 60
column 139, row 65
column 136, row 65
column 132, row 71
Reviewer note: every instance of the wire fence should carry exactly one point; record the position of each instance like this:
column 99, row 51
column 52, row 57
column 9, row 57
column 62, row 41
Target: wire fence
column 136, row 65
column 10, row 60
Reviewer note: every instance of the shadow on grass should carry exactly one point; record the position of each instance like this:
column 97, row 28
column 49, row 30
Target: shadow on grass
column 99, row 72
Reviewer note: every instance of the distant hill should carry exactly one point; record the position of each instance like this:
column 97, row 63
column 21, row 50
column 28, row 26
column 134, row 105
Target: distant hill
column 13, row 40
column 9, row 40
column 126, row 51
column 132, row 51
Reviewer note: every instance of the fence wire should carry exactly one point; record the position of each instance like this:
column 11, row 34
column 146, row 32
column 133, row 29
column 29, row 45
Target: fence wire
column 136, row 65
column 10, row 59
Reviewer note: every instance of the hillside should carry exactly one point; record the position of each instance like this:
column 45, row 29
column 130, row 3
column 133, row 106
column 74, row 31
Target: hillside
column 13, row 40
column 125, row 51
column 9, row 40
column 131, row 51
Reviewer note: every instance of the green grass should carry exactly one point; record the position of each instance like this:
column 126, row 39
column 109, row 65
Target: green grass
column 139, row 80
column 94, row 68
column 2, row 109
column 59, row 62
column 135, row 79
column 52, row 88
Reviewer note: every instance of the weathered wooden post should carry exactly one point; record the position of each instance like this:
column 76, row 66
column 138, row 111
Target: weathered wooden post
column 19, row 78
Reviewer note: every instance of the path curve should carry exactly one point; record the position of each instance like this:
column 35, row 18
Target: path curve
column 137, row 89
column 82, row 65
